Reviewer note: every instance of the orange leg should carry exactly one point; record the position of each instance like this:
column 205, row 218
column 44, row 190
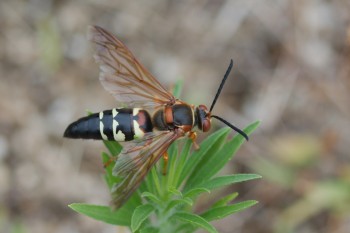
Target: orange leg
column 193, row 136
column 165, row 165
column 110, row 161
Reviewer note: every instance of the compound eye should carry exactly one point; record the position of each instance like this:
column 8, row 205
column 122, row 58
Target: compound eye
column 206, row 124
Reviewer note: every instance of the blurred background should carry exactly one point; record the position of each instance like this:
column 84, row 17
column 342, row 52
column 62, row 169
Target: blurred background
column 292, row 72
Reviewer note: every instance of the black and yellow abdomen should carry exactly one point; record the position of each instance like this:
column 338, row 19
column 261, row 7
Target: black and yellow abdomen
column 124, row 124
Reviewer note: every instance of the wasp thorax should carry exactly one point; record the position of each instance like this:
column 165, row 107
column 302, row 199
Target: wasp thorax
column 203, row 118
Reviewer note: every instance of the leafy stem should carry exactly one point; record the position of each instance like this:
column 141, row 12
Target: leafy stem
column 165, row 202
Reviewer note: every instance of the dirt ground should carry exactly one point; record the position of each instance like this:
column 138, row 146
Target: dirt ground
column 291, row 71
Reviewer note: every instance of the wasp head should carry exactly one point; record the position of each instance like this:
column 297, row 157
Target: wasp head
column 203, row 118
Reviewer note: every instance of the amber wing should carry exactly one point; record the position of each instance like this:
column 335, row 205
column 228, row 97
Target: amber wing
column 123, row 76
column 136, row 160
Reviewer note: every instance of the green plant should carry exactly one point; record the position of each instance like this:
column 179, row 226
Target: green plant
column 165, row 203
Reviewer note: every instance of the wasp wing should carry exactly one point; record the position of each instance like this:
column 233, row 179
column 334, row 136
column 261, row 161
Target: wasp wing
column 135, row 162
column 123, row 76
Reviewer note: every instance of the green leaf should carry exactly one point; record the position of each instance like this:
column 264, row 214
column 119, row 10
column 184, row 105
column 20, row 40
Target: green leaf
column 164, row 193
column 171, row 170
column 223, row 211
column 113, row 147
column 199, row 158
column 109, row 178
column 195, row 220
column 155, row 180
column 120, row 217
column 148, row 184
column 220, row 181
column 192, row 193
column 178, row 88
column 152, row 182
column 225, row 200
column 149, row 230
column 175, row 191
column 133, row 202
column 88, row 112
column 216, row 161
column 140, row 214
column 185, row 228
column 173, row 203
column 151, row 196
column 181, row 161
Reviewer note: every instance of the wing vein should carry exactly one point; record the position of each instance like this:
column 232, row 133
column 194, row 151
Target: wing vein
column 121, row 70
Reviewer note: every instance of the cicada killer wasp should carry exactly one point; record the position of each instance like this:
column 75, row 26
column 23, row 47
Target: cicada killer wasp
column 148, row 118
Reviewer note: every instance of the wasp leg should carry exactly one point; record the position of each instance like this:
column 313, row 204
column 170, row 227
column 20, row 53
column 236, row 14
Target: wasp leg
column 193, row 136
column 165, row 165
column 109, row 161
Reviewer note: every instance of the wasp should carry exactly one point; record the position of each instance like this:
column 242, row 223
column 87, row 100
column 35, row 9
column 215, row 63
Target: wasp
column 148, row 117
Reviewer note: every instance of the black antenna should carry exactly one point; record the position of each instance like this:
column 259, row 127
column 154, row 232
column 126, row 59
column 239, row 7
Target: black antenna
column 232, row 127
column 221, row 85
column 216, row 97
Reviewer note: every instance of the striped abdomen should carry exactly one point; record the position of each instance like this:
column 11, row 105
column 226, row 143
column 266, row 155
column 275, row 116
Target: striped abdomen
column 123, row 124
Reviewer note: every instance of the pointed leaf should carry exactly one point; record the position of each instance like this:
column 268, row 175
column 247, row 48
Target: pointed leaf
column 149, row 230
column 193, row 193
column 120, row 217
column 223, row 211
column 109, row 178
column 175, row 191
column 173, row 203
column 225, row 200
column 173, row 156
column 113, row 147
column 134, row 201
column 218, row 160
column 181, row 161
column 199, row 158
column 88, row 112
column 140, row 214
column 218, row 182
column 186, row 228
column 178, row 88
column 195, row 220
column 155, row 180
column 151, row 196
